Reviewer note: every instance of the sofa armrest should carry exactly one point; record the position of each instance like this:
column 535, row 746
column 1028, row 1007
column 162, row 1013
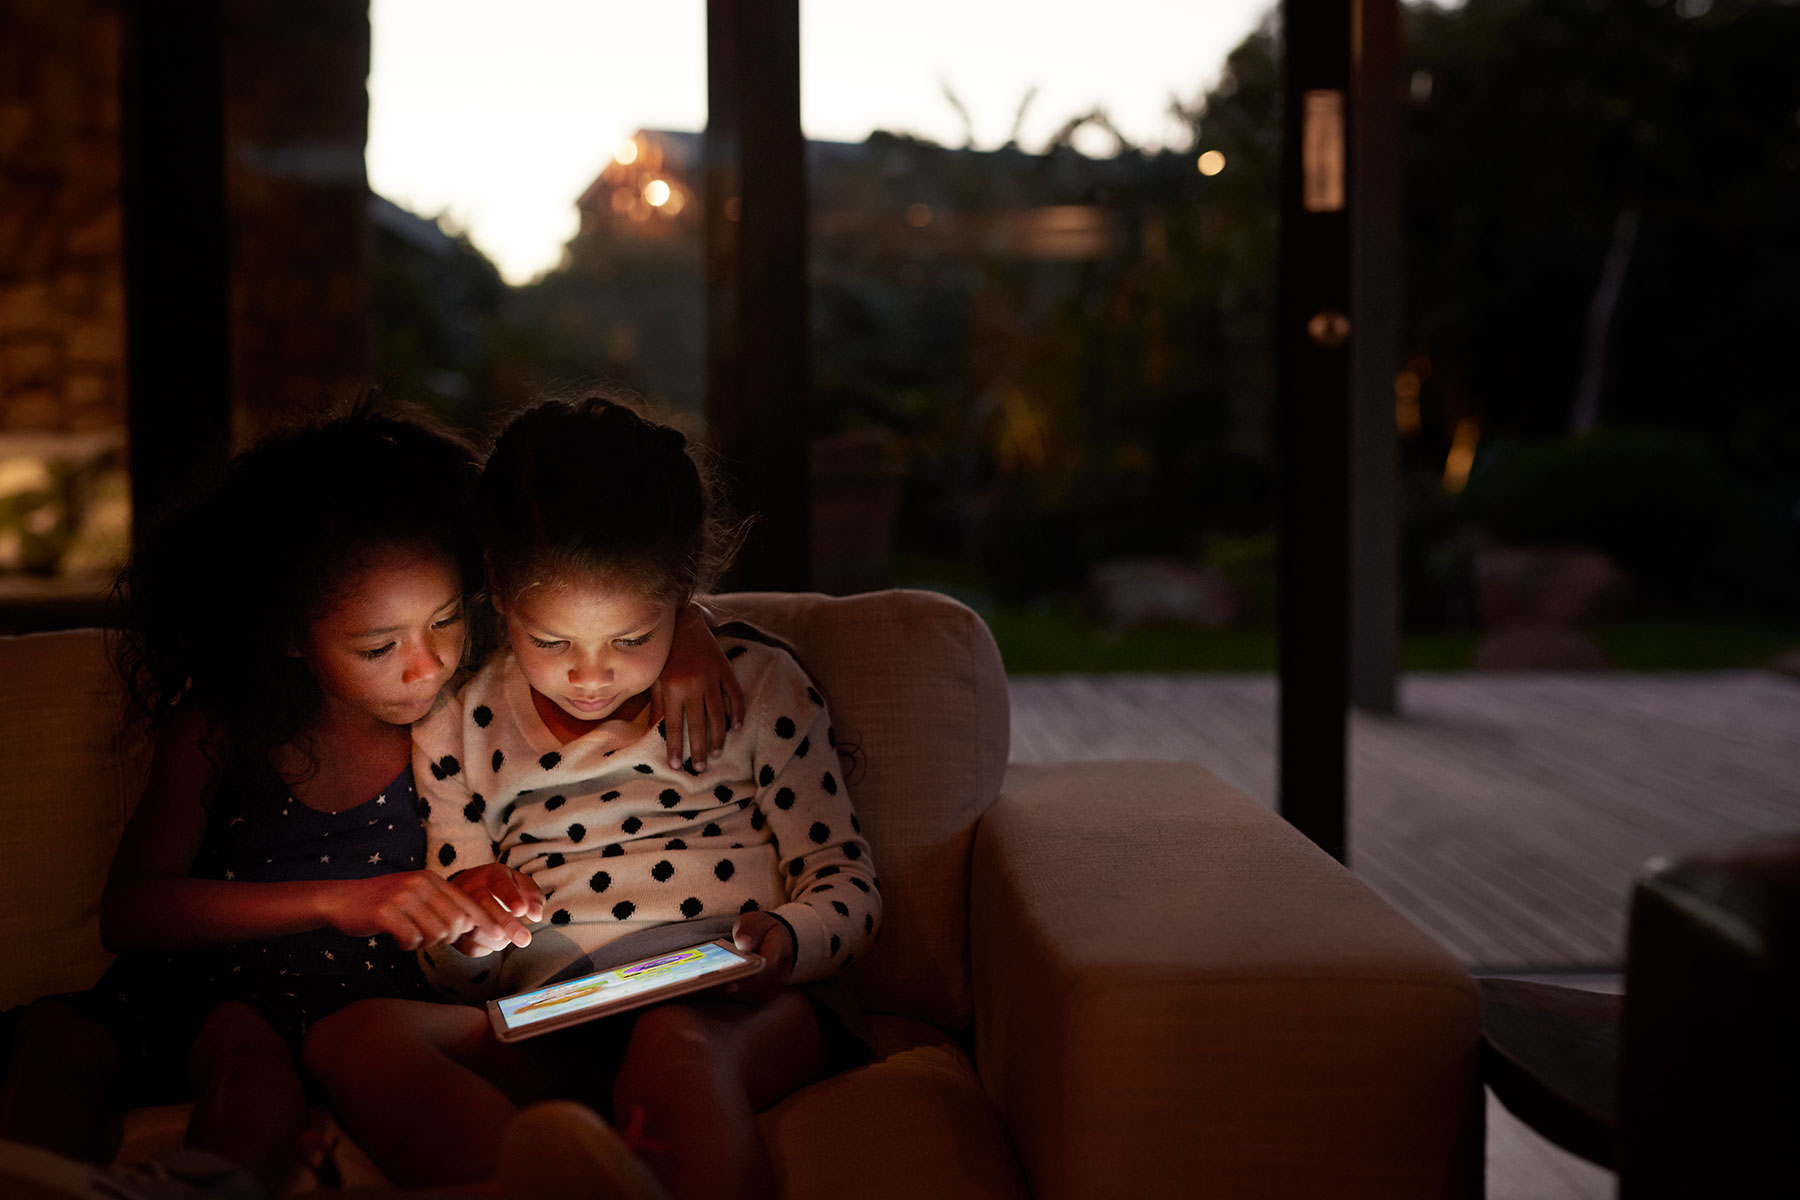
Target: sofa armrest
column 1177, row 994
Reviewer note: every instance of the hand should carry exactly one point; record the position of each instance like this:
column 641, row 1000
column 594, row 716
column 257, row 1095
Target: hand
column 771, row 940
column 506, row 898
column 415, row 908
column 697, row 694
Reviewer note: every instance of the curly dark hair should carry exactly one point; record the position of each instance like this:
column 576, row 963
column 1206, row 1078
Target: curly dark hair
column 591, row 488
column 218, row 594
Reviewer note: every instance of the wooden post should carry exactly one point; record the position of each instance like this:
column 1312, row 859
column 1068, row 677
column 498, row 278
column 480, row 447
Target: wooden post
column 1313, row 388
column 758, row 359
column 177, row 280
column 1375, row 306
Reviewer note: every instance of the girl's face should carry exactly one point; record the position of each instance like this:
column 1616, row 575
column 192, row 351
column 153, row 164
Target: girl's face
column 394, row 638
column 587, row 647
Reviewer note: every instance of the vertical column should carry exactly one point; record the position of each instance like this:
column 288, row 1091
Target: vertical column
column 1313, row 436
column 1375, row 306
column 758, row 369
column 177, row 286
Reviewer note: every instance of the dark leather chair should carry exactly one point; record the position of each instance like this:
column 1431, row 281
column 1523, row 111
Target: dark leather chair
column 1689, row 1084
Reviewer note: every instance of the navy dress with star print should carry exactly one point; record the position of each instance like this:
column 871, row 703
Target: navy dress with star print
column 257, row 832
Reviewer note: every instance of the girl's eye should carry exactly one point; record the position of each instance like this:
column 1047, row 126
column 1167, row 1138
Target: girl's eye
column 450, row 620
column 633, row 643
column 541, row 644
column 377, row 652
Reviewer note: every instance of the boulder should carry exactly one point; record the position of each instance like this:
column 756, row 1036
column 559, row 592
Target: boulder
column 1537, row 648
column 1569, row 586
column 1124, row 593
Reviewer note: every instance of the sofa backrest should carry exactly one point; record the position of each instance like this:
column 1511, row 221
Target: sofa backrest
column 914, row 682
column 72, row 772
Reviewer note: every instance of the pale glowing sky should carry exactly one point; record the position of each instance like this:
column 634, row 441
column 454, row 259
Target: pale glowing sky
column 498, row 115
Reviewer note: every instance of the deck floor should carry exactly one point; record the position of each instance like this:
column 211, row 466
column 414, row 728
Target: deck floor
column 1505, row 814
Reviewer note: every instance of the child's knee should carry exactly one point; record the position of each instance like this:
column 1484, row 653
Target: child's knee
column 80, row 1046
column 673, row 1047
column 235, row 1032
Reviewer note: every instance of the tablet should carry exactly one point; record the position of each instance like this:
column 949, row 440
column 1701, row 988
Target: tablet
column 620, row 989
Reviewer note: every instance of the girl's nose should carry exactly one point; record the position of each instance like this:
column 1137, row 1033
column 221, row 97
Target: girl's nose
column 426, row 660
column 589, row 670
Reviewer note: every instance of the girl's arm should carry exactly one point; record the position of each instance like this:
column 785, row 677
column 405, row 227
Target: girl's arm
column 834, row 899
column 697, row 695
column 151, row 904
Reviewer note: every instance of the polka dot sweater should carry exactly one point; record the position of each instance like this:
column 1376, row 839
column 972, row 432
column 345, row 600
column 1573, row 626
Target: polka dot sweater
column 619, row 841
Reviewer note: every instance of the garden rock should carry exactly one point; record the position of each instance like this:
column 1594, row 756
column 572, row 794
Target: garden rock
column 1538, row 648
column 1569, row 586
column 1124, row 593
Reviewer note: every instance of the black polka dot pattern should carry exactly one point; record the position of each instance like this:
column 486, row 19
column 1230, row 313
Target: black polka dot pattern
column 484, row 716
column 771, row 824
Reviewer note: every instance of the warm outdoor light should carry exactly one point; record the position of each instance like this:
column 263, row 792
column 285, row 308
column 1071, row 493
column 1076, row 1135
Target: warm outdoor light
column 656, row 193
column 1406, row 403
column 918, row 215
column 1212, row 162
column 628, row 153
column 1462, row 455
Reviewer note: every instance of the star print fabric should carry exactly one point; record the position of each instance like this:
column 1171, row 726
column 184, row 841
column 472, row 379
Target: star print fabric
column 621, row 842
column 256, row 832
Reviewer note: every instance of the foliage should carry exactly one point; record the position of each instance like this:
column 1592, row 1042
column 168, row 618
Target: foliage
column 1655, row 501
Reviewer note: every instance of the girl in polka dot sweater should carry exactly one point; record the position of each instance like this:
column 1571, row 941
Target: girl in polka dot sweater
column 546, row 793
column 281, row 634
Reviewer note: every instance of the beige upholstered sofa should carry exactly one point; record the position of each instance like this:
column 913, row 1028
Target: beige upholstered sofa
column 1094, row 980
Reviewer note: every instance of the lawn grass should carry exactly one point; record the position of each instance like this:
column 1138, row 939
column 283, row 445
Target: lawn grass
column 1051, row 639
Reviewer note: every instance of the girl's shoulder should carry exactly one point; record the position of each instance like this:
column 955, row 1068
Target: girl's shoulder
column 768, row 669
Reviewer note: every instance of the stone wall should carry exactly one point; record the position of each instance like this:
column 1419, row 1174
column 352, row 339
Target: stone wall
column 301, row 250
column 62, row 332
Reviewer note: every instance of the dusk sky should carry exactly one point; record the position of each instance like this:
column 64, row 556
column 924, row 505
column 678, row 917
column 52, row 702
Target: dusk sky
column 498, row 116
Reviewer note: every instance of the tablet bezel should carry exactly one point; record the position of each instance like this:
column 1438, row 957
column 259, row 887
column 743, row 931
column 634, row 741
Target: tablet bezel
column 746, row 966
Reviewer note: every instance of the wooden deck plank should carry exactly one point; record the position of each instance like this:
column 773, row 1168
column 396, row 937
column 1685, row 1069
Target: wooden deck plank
column 1505, row 814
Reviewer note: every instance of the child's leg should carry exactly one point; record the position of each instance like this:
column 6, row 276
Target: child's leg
column 249, row 1102
column 693, row 1079
column 58, row 1092
column 425, row 1089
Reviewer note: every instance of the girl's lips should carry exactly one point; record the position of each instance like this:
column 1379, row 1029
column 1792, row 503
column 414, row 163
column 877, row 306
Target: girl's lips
column 596, row 705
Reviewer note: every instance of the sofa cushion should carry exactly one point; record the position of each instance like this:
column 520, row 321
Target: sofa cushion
column 1238, row 1014
column 64, row 796
column 916, row 686
column 912, row 1123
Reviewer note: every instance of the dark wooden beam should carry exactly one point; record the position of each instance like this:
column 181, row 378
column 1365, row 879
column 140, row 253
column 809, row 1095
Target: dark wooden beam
column 1312, row 348
column 177, row 279
column 1375, row 308
column 758, row 359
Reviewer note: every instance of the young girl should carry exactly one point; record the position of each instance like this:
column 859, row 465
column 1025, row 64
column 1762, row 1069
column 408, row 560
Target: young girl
column 542, row 780
column 281, row 635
